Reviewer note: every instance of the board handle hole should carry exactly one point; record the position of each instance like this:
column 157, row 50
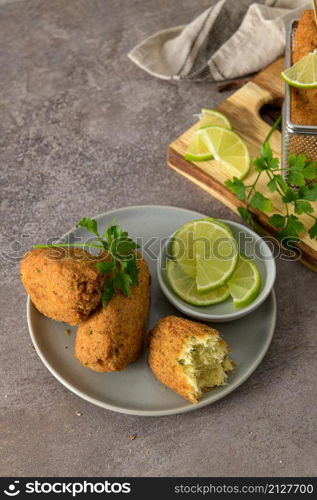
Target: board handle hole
column 270, row 112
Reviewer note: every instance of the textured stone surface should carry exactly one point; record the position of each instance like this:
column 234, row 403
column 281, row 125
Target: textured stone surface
column 83, row 130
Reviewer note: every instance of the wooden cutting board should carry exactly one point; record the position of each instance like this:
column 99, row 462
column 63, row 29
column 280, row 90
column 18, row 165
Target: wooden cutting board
column 242, row 108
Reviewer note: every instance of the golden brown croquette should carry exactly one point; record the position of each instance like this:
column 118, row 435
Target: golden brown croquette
column 63, row 284
column 113, row 336
column 188, row 357
column 303, row 101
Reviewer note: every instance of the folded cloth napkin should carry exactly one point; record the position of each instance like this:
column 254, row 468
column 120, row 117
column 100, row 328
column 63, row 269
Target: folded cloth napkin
column 230, row 39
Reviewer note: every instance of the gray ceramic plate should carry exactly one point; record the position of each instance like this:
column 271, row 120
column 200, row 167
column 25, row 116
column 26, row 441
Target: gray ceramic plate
column 135, row 390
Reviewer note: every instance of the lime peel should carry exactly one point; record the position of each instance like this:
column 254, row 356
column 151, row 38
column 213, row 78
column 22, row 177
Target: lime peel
column 207, row 250
column 302, row 74
column 228, row 148
column 185, row 287
column 198, row 150
column 211, row 118
column 245, row 284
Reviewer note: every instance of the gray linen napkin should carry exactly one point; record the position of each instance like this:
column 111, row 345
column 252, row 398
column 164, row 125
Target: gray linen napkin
column 230, row 39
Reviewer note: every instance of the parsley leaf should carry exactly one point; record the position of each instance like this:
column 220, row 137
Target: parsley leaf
column 133, row 270
column 277, row 220
column 266, row 161
column 107, row 291
column 125, row 247
column 266, row 151
column 300, row 169
column 290, row 196
column 123, row 281
column 260, row 164
column 89, row 224
column 308, row 193
column 296, row 177
column 297, row 161
column 310, row 170
column 237, row 187
column 246, row 215
column 313, row 231
column 105, row 267
column 276, row 182
column 292, row 228
column 303, row 207
column 260, row 202
column 272, row 185
column 113, row 232
column 274, row 163
column 283, row 185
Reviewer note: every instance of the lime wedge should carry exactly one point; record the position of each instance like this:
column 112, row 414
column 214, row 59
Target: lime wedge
column 206, row 250
column 197, row 150
column 212, row 118
column 216, row 254
column 182, row 247
column 185, row 287
column 228, row 148
column 245, row 283
column 303, row 74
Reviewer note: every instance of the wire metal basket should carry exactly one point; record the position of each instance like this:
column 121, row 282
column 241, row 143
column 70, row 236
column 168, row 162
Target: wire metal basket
column 296, row 138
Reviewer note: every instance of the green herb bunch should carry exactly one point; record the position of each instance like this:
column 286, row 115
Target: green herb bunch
column 296, row 194
column 120, row 266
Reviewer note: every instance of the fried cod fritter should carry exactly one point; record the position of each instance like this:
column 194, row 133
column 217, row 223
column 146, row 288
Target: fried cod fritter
column 303, row 101
column 63, row 284
column 188, row 357
column 112, row 337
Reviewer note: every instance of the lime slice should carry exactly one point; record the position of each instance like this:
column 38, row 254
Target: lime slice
column 212, row 118
column 197, row 150
column 185, row 287
column 206, row 250
column 245, row 283
column 228, row 148
column 303, row 74
column 182, row 245
column 216, row 254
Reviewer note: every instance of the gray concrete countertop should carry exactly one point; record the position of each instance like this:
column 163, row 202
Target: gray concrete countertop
column 83, row 130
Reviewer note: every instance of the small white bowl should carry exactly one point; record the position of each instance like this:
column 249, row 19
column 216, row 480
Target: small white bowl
column 251, row 245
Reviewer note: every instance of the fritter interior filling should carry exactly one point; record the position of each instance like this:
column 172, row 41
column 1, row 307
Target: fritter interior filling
column 206, row 363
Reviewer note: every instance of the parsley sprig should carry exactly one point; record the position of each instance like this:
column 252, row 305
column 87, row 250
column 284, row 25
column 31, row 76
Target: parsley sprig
column 296, row 194
column 120, row 267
